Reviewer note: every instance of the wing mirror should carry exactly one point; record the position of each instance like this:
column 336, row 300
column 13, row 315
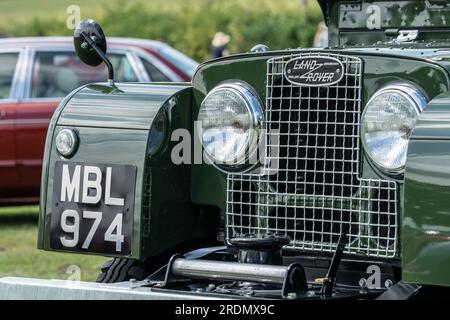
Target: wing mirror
column 90, row 46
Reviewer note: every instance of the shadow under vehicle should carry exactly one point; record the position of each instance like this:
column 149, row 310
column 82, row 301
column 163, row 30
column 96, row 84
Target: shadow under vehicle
column 349, row 198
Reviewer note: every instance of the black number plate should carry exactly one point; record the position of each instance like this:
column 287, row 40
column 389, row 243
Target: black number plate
column 93, row 207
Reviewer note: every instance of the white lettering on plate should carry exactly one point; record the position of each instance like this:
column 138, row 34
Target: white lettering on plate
column 70, row 187
column 108, row 199
column 92, row 184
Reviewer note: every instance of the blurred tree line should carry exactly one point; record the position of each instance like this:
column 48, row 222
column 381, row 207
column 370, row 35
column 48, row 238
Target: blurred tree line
column 189, row 25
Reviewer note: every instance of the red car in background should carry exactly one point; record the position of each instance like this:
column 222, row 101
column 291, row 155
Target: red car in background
column 36, row 73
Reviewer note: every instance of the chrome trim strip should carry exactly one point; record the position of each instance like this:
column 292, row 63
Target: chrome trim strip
column 32, row 121
column 14, row 90
column 140, row 53
column 28, row 73
column 138, row 67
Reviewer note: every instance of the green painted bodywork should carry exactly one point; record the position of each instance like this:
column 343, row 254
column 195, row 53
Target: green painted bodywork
column 132, row 124
column 131, row 106
column 426, row 226
column 349, row 22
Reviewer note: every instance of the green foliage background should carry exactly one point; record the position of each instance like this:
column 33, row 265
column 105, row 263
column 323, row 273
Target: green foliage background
column 187, row 25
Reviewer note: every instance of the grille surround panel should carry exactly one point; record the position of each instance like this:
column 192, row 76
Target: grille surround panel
column 310, row 186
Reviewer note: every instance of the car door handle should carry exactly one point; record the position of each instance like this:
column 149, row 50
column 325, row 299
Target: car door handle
column 2, row 114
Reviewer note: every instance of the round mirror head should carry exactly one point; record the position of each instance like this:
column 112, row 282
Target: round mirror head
column 83, row 49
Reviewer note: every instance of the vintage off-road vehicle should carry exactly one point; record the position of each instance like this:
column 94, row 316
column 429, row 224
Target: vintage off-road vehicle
column 323, row 173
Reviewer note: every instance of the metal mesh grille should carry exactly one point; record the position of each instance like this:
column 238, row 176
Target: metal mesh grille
column 310, row 187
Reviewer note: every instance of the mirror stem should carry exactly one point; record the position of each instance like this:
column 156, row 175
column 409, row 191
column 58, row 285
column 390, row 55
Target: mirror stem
column 103, row 56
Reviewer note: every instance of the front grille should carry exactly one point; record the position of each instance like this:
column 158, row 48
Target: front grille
column 310, row 187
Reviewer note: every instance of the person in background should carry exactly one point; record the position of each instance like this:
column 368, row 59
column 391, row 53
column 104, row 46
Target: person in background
column 219, row 45
column 321, row 37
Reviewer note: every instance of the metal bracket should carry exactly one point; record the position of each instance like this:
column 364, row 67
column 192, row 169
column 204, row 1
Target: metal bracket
column 169, row 278
column 407, row 35
column 400, row 291
column 295, row 281
column 330, row 279
column 102, row 56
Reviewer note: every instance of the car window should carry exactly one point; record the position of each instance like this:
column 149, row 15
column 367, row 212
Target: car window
column 8, row 62
column 153, row 72
column 56, row 74
column 180, row 60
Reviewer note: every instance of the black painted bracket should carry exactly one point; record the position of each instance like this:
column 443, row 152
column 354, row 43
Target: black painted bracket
column 330, row 279
column 295, row 281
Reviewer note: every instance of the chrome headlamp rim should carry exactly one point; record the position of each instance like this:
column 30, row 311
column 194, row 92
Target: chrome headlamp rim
column 254, row 107
column 73, row 136
column 416, row 96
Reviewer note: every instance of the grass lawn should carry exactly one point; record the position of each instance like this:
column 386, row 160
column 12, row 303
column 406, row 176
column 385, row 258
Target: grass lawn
column 19, row 256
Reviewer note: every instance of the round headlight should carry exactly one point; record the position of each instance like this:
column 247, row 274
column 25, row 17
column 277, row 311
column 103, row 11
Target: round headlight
column 66, row 142
column 231, row 121
column 387, row 122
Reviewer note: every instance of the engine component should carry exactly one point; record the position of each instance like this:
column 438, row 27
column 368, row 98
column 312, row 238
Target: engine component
column 292, row 278
column 260, row 249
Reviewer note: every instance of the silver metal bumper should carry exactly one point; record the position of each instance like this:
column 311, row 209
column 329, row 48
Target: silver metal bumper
column 219, row 270
column 13, row 288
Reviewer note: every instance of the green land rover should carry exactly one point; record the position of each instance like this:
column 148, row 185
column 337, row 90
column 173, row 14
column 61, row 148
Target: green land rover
column 293, row 174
